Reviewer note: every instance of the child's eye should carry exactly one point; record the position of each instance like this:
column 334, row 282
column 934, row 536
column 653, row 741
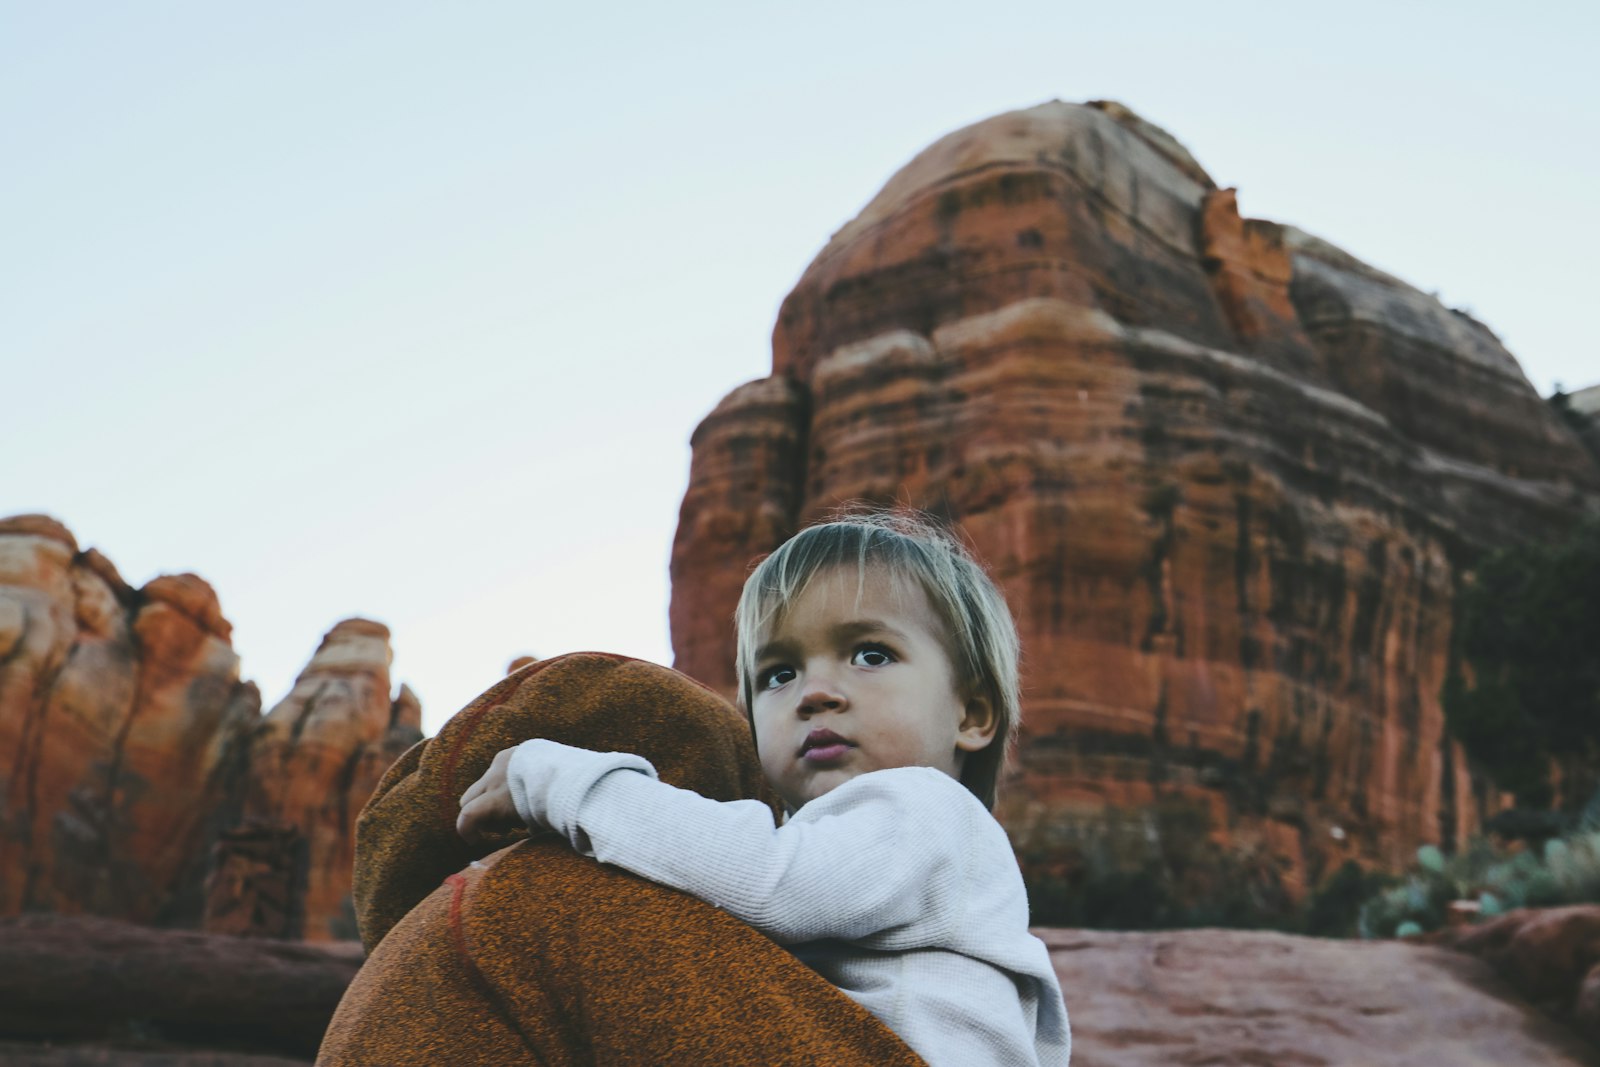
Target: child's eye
column 773, row 677
column 872, row 656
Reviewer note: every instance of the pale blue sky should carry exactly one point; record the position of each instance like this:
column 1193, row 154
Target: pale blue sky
column 408, row 310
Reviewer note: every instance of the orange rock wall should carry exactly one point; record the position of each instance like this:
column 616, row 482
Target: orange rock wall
column 122, row 723
column 1227, row 475
column 138, row 778
column 744, row 488
column 314, row 760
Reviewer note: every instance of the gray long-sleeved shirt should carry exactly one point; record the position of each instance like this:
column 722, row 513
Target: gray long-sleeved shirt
column 897, row 886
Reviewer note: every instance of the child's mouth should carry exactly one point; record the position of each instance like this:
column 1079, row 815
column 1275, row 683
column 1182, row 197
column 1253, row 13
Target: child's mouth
column 822, row 745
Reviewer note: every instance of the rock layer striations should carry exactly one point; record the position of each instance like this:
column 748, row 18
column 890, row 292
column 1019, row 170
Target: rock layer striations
column 138, row 778
column 285, row 870
column 1228, row 476
column 123, row 725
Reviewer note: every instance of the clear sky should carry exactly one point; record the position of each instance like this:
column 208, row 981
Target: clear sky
column 407, row 310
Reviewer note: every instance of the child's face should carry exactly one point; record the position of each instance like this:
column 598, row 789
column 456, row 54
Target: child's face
column 847, row 684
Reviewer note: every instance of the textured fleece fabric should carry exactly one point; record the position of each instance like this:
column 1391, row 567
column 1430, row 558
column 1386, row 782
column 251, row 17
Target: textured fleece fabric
column 520, row 950
column 897, row 886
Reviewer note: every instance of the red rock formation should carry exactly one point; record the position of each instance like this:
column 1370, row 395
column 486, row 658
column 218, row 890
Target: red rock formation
column 78, row 991
column 1551, row 956
column 1236, row 997
column 740, row 504
column 122, row 720
column 285, row 870
column 257, row 883
column 133, row 759
column 101, row 988
column 1228, row 476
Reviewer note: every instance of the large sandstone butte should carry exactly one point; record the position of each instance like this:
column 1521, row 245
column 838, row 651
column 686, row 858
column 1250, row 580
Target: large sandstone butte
column 138, row 778
column 1228, row 475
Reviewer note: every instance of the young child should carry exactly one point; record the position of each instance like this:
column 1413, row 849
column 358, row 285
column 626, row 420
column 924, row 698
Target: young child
column 878, row 666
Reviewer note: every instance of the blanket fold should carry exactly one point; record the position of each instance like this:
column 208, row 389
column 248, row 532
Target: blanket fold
column 519, row 950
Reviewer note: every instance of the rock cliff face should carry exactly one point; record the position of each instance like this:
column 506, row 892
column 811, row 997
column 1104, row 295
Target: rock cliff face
column 1227, row 475
column 285, row 870
column 1585, row 404
column 133, row 759
column 122, row 727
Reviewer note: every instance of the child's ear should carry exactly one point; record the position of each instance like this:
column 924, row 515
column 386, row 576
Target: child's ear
column 978, row 725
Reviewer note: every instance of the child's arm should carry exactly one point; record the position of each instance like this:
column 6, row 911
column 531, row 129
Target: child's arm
column 880, row 855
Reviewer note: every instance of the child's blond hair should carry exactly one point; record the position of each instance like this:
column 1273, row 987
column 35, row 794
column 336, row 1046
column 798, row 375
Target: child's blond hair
column 981, row 638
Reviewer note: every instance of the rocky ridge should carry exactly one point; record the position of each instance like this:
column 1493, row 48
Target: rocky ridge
column 123, row 724
column 138, row 778
column 285, row 869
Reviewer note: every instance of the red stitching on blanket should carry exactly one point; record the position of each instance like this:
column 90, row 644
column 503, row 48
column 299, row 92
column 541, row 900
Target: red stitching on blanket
column 458, row 939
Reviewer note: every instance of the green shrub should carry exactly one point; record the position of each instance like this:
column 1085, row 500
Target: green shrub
column 1566, row 870
column 1156, row 868
column 1334, row 910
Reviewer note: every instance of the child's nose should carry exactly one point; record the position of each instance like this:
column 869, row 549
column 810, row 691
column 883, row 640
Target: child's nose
column 821, row 693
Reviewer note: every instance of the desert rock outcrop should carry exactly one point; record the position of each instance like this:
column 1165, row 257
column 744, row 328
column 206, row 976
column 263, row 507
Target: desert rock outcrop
column 1228, row 476
column 138, row 778
column 1550, row 956
column 77, row 991
column 75, row 987
column 286, row 869
column 1238, row 997
column 123, row 722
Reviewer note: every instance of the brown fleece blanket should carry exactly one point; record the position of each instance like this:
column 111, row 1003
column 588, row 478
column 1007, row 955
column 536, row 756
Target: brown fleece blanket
column 534, row 954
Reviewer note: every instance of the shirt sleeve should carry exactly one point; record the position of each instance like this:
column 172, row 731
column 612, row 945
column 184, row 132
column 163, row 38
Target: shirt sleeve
column 878, row 860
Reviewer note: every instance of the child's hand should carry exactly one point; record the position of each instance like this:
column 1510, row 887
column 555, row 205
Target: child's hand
column 486, row 806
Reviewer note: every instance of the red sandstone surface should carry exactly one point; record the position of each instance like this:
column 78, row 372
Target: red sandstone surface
column 314, row 760
column 133, row 759
column 122, row 721
column 104, row 992
column 1228, row 475
column 1550, row 956
column 1193, row 997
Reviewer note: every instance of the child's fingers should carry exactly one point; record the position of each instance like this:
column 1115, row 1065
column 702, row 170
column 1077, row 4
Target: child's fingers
column 484, row 815
column 492, row 810
column 467, row 821
column 486, row 806
column 495, row 775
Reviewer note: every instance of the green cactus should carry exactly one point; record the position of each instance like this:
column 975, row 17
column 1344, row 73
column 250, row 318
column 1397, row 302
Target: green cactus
column 1565, row 871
